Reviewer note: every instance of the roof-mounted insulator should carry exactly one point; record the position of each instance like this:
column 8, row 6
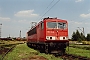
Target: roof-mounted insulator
column 46, row 18
column 50, row 18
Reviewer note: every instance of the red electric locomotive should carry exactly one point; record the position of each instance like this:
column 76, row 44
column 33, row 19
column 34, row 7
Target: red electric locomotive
column 49, row 35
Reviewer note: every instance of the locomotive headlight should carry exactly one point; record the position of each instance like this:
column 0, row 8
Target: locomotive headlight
column 50, row 38
column 47, row 38
column 63, row 38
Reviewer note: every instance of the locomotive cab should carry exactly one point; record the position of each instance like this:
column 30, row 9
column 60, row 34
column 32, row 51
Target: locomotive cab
column 56, row 30
column 56, row 35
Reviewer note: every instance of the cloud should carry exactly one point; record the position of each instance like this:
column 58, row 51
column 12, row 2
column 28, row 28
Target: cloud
column 26, row 13
column 4, row 19
column 23, row 21
column 89, row 10
column 72, row 21
column 85, row 15
column 87, row 23
column 78, row 0
column 75, row 23
column 78, row 23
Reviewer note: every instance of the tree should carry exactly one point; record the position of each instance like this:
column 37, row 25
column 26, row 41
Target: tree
column 82, row 36
column 76, row 36
column 88, row 37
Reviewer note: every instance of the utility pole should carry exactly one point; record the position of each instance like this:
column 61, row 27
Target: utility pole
column 20, row 33
column 33, row 24
column 0, row 29
column 82, row 30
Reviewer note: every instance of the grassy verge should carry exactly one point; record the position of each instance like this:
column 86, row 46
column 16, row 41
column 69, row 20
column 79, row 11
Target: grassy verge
column 87, row 47
column 0, row 57
column 78, row 52
column 10, row 42
column 22, row 52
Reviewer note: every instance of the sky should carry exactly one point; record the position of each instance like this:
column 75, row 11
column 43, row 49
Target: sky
column 16, row 15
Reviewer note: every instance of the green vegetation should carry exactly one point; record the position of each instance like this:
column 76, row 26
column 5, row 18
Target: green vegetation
column 0, row 57
column 88, row 37
column 22, row 52
column 78, row 52
column 80, row 46
column 2, row 42
column 85, row 47
column 77, row 36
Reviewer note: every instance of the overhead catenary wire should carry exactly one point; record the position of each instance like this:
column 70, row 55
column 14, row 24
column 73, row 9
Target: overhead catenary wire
column 49, row 8
column 46, row 8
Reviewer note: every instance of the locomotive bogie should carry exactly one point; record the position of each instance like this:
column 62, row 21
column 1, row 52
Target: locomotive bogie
column 54, row 48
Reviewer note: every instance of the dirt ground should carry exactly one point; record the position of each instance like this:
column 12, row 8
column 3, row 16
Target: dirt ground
column 3, row 50
column 35, row 58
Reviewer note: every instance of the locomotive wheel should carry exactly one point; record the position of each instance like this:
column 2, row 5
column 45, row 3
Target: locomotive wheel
column 28, row 45
column 62, row 52
column 46, row 48
column 46, row 51
column 42, row 50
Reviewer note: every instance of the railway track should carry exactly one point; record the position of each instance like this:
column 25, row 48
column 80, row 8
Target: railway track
column 72, row 57
column 64, row 57
column 68, row 56
column 86, row 48
column 5, row 51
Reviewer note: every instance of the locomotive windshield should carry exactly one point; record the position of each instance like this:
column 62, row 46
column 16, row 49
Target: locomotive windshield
column 57, row 25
